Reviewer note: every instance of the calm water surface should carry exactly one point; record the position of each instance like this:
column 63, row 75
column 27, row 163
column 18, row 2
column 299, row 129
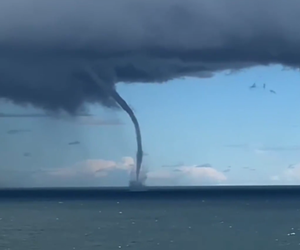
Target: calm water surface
column 148, row 225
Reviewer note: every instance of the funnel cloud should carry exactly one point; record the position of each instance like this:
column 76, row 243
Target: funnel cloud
column 46, row 45
column 123, row 104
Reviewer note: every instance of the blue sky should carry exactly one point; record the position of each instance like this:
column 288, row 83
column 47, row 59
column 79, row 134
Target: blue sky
column 191, row 121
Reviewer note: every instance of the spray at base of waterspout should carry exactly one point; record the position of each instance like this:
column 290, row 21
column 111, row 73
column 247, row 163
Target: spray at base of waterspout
column 138, row 183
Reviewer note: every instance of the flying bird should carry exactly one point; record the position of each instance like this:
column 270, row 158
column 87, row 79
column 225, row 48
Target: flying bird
column 173, row 165
column 74, row 143
column 205, row 165
column 27, row 154
column 264, row 86
column 253, row 86
column 15, row 131
column 272, row 91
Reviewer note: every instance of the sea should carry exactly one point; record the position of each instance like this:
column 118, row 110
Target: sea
column 150, row 224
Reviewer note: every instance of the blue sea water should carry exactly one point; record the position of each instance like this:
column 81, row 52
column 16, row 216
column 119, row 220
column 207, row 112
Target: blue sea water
column 150, row 224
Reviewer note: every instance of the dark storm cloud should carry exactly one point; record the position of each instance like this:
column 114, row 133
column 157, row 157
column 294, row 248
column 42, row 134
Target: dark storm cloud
column 44, row 45
column 8, row 115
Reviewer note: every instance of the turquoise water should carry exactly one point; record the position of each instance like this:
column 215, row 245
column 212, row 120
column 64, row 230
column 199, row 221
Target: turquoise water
column 148, row 225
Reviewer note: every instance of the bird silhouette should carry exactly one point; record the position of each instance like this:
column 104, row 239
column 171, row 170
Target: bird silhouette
column 272, row 91
column 264, row 86
column 15, row 131
column 253, row 86
column 74, row 143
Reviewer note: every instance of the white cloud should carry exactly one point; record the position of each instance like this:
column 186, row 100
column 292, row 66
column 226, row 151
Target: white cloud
column 91, row 168
column 187, row 175
column 97, row 172
column 88, row 168
column 288, row 176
